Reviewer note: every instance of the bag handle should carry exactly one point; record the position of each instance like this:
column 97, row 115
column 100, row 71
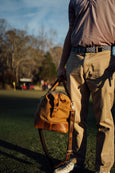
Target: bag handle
column 56, row 83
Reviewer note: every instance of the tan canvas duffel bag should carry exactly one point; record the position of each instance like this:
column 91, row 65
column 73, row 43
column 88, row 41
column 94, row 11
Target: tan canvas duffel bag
column 53, row 111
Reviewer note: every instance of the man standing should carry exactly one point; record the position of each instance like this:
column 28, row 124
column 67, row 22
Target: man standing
column 89, row 71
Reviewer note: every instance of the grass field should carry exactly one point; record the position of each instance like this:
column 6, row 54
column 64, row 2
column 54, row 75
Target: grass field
column 20, row 147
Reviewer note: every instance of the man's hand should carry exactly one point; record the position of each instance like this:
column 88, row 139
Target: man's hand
column 61, row 73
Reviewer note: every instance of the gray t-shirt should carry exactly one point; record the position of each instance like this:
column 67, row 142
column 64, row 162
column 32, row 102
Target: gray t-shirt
column 93, row 22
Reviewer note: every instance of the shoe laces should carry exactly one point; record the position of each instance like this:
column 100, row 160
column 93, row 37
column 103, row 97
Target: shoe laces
column 66, row 168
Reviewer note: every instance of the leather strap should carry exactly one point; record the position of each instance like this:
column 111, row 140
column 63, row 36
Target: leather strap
column 69, row 148
column 56, row 83
column 71, row 123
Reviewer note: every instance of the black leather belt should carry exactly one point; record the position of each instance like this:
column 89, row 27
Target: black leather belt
column 90, row 49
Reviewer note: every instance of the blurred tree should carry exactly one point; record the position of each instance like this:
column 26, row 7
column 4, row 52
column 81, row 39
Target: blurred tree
column 56, row 53
column 23, row 55
column 51, row 37
column 48, row 68
column 42, row 39
column 46, row 40
column 3, row 65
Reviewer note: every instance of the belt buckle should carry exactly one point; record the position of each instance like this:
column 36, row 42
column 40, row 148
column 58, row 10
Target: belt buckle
column 99, row 49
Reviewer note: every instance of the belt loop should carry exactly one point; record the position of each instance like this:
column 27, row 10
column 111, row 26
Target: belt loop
column 96, row 49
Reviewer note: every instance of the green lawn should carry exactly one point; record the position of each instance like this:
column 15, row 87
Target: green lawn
column 20, row 147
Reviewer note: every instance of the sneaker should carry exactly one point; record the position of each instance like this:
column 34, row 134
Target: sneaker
column 67, row 167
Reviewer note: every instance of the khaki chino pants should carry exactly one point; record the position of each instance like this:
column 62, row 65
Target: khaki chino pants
column 87, row 75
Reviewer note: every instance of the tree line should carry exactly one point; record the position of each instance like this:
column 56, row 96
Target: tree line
column 26, row 56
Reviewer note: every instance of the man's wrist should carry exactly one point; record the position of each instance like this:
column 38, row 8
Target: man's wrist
column 62, row 65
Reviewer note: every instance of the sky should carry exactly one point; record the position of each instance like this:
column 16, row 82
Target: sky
column 32, row 14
